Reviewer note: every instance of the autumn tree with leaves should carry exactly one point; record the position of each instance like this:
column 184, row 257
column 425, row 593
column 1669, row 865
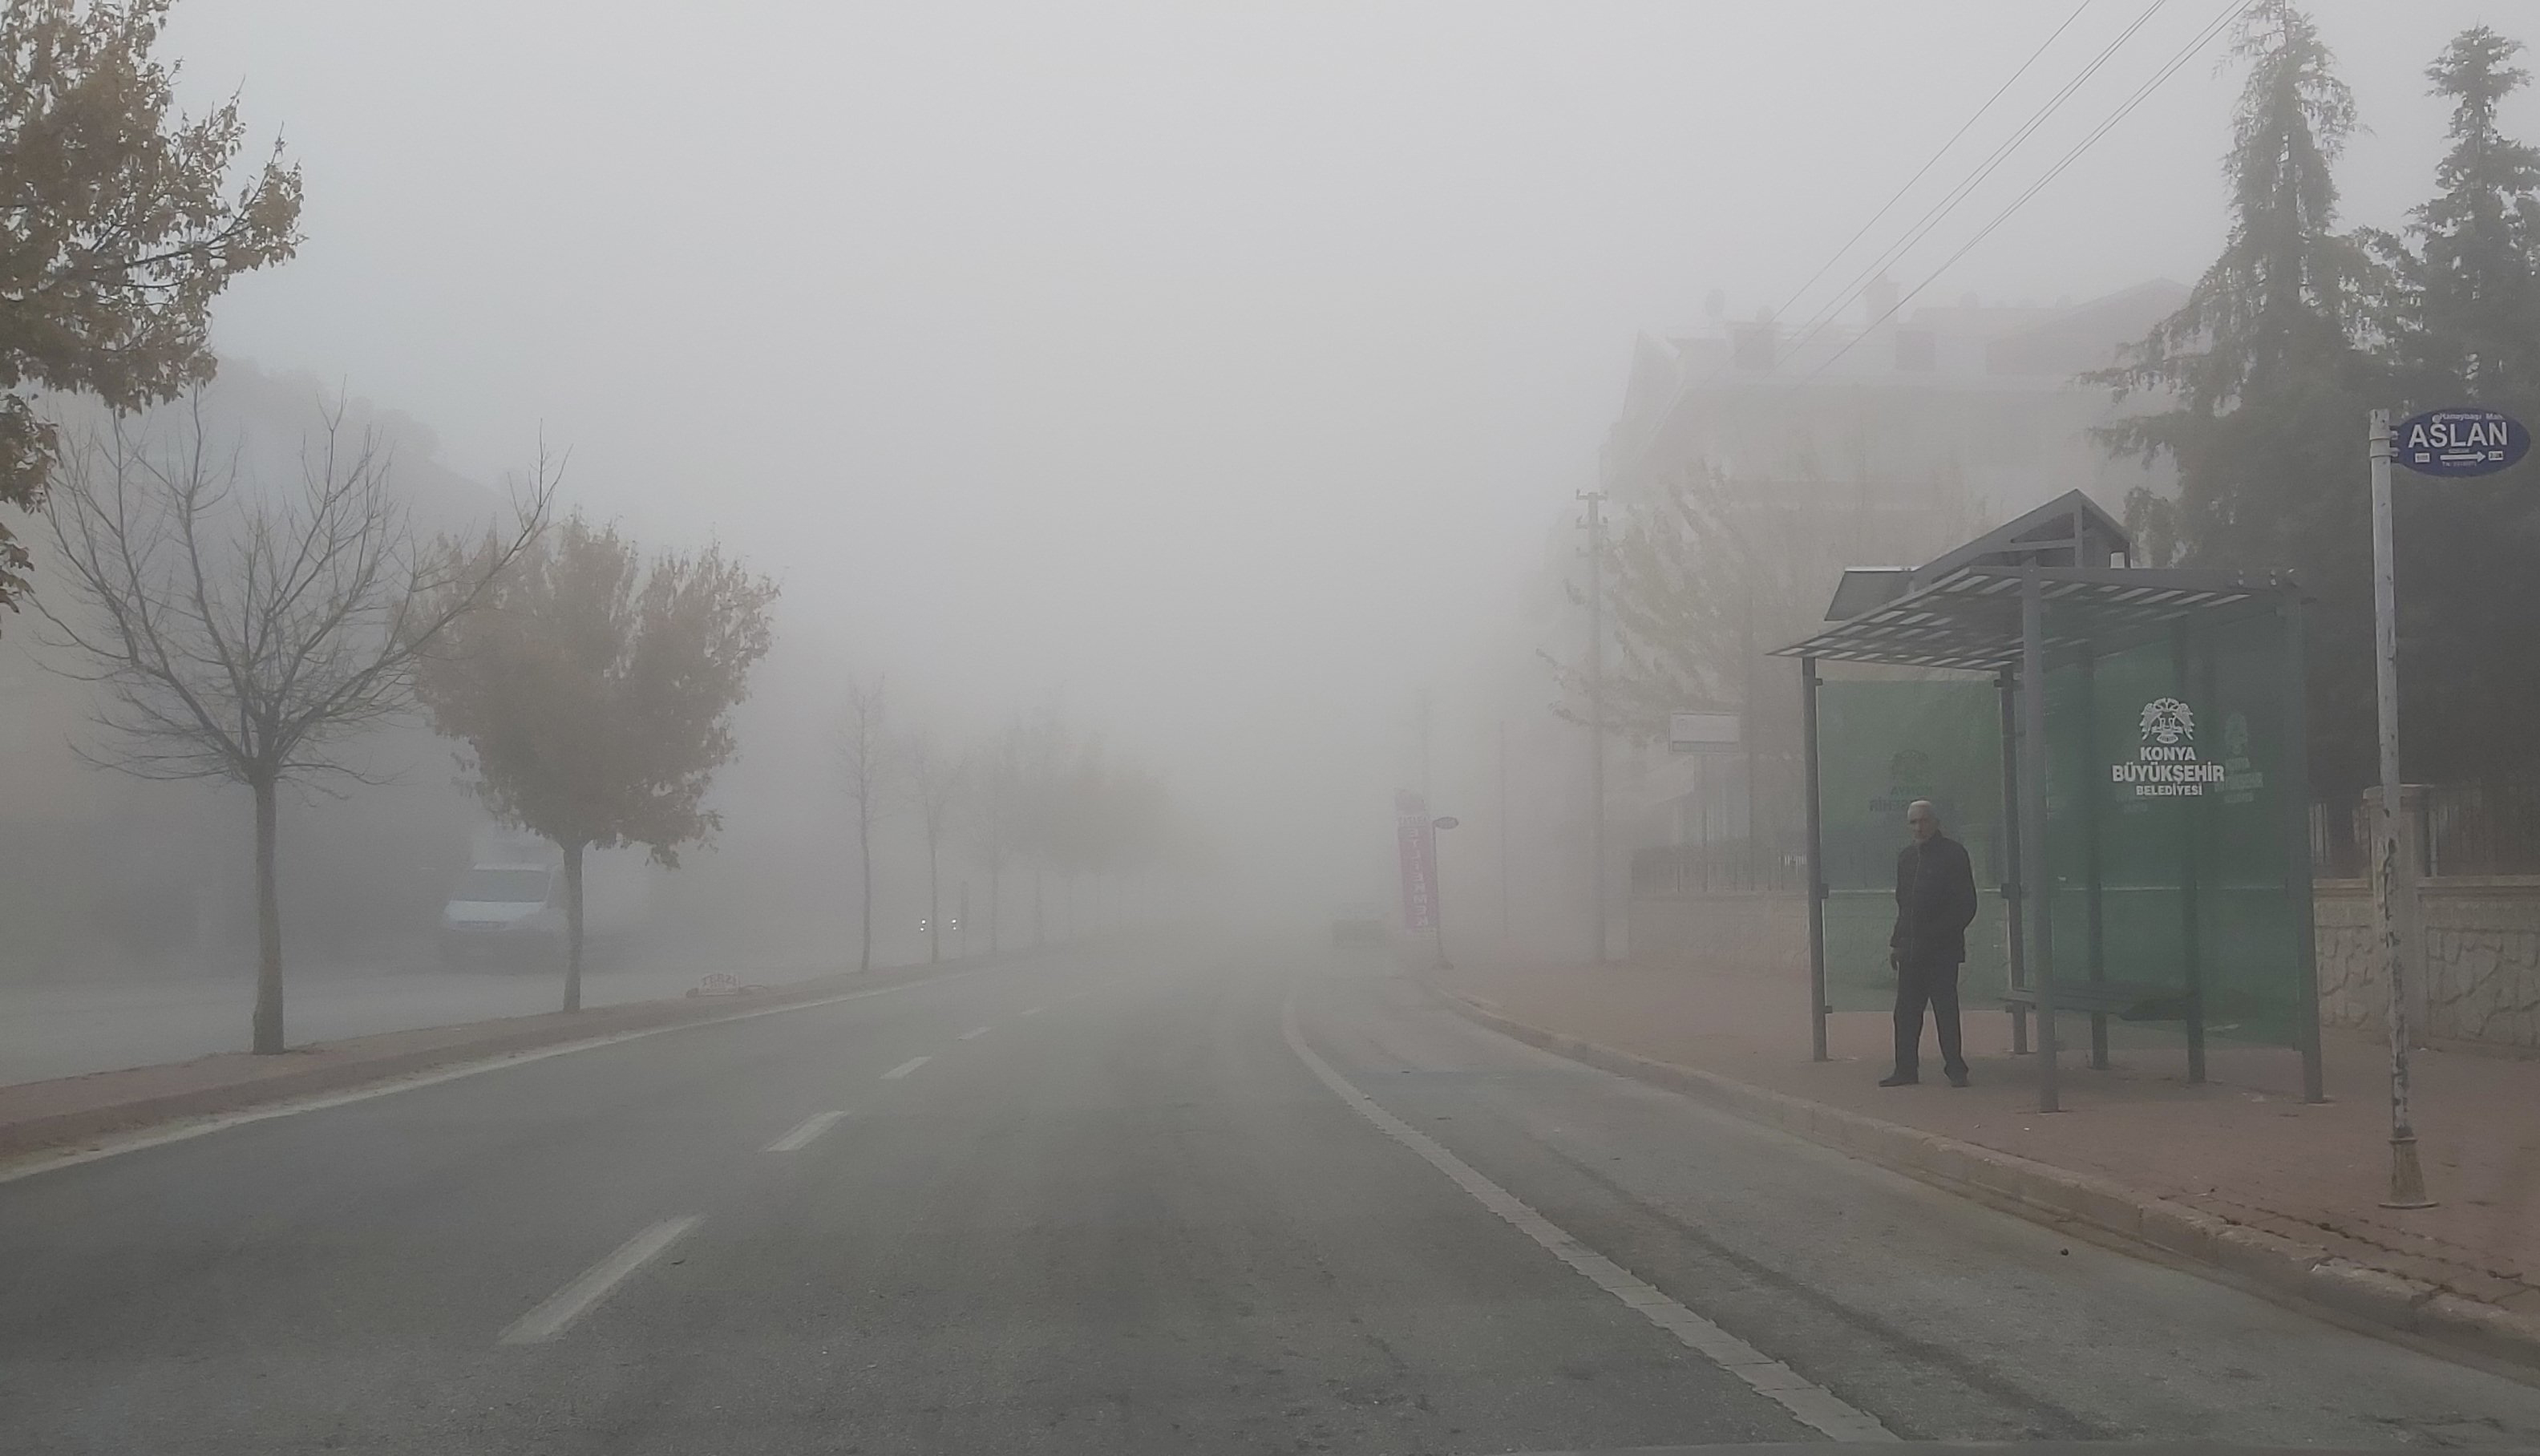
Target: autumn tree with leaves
column 595, row 692
column 124, row 222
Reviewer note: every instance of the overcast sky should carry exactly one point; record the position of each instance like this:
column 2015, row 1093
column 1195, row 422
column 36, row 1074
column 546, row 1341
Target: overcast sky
column 1213, row 361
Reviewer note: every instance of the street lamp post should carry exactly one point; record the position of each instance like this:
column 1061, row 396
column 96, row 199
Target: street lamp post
column 1437, row 893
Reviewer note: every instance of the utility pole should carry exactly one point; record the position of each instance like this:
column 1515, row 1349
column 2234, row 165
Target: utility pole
column 1504, row 839
column 1427, row 806
column 1746, row 720
column 1595, row 527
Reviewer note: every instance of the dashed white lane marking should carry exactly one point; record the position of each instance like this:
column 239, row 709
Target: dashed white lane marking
column 1031, row 1011
column 571, row 1302
column 975, row 1031
column 1815, row 1406
column 905, row 1067
column 801, row 1138
column 45, row 1162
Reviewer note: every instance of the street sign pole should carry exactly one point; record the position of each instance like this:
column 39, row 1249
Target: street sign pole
column 2407, row 1175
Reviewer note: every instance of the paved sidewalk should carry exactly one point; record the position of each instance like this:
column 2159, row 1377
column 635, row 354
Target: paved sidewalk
column 48, row 1117
column 105, row 1023
column 2242, row 1146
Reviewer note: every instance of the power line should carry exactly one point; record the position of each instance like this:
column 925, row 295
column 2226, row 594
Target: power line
column 2230, row 12
column 1949, row 202
column 1934, row 161
column 1993, row 161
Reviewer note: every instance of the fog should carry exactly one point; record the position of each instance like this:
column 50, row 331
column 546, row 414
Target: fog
column 1220, row 373
column 1141, row 726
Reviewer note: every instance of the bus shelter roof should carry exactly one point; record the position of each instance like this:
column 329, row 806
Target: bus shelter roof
column 1968, row 619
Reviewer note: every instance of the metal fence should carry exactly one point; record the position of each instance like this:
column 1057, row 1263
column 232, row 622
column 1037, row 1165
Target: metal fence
column 2461, row 829
column 2479, row 829
column 2338, row 835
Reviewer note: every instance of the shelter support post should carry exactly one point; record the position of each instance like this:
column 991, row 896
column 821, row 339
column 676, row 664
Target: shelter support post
column 1816, row 861
column 2195, row 826
column 2012, row 866
column 2095, row 939
column 2033, row 875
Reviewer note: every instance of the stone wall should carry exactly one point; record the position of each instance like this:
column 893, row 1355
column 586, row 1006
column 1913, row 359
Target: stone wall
column 2481, row 946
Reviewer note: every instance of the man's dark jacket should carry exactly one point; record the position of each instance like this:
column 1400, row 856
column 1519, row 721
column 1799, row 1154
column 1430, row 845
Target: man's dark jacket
column 1936, row 901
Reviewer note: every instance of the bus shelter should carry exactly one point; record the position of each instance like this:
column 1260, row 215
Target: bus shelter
column 2124, row 754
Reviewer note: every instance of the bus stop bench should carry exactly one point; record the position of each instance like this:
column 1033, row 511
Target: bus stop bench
column 2127, row 1001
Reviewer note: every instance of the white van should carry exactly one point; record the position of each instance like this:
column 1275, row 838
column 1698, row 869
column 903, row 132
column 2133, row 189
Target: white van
column 513, row 912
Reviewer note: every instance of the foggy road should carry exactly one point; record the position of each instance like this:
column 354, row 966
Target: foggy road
column 1154, row 1200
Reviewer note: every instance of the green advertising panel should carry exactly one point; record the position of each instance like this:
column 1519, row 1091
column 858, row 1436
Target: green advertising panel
column 1881, row 745
column 2166, row 833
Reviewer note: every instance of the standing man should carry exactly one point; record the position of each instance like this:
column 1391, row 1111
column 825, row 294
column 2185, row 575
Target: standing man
column 1936, row 901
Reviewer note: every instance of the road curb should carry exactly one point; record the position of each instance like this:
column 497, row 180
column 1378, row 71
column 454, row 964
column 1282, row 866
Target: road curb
column 2055, row 1195
column 346, row 1065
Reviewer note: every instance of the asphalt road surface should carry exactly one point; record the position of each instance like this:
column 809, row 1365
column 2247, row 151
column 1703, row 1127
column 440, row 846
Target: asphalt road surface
column 1151, row 1202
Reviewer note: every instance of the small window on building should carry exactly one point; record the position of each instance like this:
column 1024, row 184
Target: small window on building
column 1918, row 350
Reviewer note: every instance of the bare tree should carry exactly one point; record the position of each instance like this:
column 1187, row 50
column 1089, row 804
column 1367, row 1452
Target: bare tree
column 994, row 821
column 246, row 634
column 935, row 781
column 864, row 750
column 1041, row 744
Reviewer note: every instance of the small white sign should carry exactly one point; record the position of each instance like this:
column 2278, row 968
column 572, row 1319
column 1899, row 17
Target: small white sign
column 1697, row 733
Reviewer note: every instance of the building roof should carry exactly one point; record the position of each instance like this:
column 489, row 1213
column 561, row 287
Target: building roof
column 1961, row 609
column 2069, row 530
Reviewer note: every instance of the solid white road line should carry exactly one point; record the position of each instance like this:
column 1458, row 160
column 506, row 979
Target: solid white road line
column 1814, row 1406
column 1031, row 1011
column 975, row 1031
column 45, row 1162
column 569, row 1303
column 905, row 1067
column 801, row 1138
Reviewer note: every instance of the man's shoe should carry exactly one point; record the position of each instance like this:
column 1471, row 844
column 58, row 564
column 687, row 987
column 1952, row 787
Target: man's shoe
column 1957, row 1079
column 1900, row 1080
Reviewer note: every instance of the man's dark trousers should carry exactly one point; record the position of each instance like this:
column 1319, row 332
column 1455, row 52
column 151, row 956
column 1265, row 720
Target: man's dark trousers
column 1922, row 979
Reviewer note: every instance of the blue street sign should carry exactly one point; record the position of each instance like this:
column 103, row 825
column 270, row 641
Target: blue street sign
column 2458, row 443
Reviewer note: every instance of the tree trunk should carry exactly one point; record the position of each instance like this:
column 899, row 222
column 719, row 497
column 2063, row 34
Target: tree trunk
column 864, row 865
column 573, row 927
column 996, row 906
column 268, row 926
column 934, row 902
